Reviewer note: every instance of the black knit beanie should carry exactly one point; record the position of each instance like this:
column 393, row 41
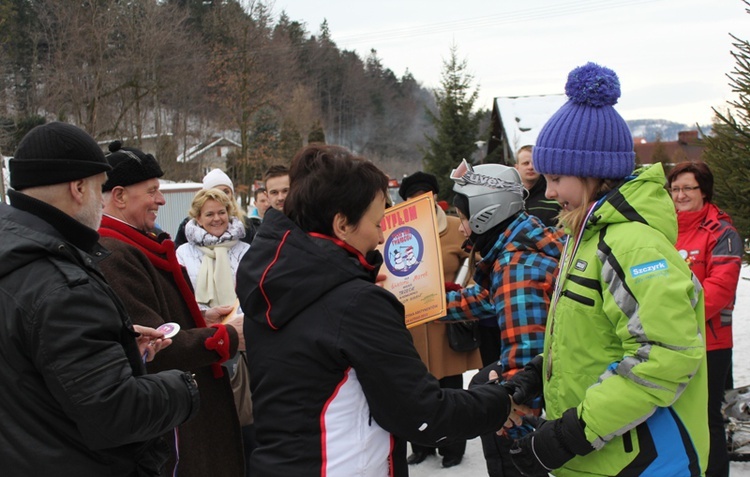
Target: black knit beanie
column 129, row 166
column 54, row 153
column 418, row 182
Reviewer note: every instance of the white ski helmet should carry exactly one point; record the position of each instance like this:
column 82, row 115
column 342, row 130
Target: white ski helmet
column 492, row 192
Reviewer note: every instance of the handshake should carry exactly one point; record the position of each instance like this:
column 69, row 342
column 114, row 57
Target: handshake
column 539, row 446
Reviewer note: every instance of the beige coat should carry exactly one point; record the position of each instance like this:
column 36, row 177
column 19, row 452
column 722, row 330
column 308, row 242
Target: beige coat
column 431, row 339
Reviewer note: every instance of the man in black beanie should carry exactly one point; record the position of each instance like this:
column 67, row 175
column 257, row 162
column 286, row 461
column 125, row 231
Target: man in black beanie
column 76, row 399
column 432, row 339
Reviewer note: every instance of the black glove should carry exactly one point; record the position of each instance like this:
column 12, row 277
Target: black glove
column 551, row 445
column 483, row 376
column 526, row 385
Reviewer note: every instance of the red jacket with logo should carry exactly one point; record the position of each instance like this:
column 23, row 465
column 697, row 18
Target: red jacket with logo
column 712, row 247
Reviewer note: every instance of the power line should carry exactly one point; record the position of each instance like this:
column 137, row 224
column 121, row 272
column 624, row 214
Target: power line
column 517, row 16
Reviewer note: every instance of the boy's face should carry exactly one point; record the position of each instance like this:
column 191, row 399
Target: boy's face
column 277, row 189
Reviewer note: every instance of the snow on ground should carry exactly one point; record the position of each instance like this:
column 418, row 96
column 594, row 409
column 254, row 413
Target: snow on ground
column 473, row 463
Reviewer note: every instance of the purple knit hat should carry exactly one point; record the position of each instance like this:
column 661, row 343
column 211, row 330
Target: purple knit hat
column 586, row 137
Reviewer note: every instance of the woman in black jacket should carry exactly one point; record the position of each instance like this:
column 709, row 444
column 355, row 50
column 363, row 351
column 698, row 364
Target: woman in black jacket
column 337, row 385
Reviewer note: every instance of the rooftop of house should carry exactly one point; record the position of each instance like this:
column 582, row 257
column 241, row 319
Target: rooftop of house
column 204, row 146
column 523, row 116
column 687, row 147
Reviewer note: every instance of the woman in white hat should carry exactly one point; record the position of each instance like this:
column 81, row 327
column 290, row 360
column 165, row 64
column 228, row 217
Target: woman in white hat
column 218, row 179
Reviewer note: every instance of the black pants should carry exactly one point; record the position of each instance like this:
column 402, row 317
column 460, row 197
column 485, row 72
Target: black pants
column 249, row 444
column 454, row 448
column 719, row 364
column 489, row 344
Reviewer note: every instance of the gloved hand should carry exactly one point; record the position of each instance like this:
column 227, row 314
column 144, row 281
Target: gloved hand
column 528, row 425
column 526, row 385
column 450, row 286
column 551, row 445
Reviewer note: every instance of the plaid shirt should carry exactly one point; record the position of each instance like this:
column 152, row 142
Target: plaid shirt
column 514, row 284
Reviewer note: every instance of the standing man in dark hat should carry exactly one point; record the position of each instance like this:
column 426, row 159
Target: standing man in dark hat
column 431, row 339
column 76, row 399
column 535, row 202
column 144, row 271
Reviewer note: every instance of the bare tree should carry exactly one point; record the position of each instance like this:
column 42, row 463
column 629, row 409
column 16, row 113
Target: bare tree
column 110, row 64
column 81, row 55
column 241, row 82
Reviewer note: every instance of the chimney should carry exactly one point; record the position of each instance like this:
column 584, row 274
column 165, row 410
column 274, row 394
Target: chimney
column 687, row 137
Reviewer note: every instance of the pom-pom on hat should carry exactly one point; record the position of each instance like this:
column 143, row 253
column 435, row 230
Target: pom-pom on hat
column 129, row 166
column 217, row 178
column 418, row 182
column 586, row 137
column 54, row 153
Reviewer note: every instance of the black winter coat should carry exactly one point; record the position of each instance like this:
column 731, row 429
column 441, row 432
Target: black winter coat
column 333, row 370
column 538, row 205
column 75, row 399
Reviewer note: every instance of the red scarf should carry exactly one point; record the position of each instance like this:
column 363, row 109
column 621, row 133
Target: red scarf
column 162, row 256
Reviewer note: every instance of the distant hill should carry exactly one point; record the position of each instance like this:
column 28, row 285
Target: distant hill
column 651, row 128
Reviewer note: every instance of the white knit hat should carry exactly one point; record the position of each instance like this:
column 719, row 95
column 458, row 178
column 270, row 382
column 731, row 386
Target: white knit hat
column 217, row 178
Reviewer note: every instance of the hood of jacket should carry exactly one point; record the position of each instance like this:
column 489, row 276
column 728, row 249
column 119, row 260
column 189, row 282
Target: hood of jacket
column 287, row 269
column 641, row 198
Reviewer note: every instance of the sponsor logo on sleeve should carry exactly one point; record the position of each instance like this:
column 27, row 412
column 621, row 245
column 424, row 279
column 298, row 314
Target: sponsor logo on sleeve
column 648, row 268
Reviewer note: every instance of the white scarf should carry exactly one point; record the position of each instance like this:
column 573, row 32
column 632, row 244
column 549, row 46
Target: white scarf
column 215, row 281
column 198, row 236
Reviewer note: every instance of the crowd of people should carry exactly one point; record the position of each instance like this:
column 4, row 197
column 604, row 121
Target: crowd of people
column 291, row 359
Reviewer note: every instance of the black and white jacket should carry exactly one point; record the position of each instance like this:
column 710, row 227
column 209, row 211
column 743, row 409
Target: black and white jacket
column 333, row 371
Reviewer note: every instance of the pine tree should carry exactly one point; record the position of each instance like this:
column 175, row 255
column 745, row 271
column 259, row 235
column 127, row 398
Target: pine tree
column 290, row 141
column 456, row 125
column 728, row 147
column 317, row 134
column 659, row 153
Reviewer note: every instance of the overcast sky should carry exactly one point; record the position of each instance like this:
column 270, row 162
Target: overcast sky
column 672, row 56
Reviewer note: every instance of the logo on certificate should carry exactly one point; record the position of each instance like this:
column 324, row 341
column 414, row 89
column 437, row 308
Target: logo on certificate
column 403, row 251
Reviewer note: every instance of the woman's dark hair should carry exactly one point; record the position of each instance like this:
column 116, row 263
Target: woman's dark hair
column 701, row 172
column 325, row 180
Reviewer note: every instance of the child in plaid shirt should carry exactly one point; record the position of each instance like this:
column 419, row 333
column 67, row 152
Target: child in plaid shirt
column 514, row 279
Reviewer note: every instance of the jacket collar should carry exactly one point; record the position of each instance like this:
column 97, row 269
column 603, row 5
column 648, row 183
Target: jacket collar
column 689, row 220
column 639, row 198
column 72, row 230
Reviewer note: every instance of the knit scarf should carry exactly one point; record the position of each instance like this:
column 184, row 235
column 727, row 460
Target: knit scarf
column 215, row 281
column 162, row 256
column 197, row 235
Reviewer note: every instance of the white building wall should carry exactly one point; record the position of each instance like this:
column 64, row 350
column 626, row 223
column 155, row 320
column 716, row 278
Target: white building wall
column 179, row 196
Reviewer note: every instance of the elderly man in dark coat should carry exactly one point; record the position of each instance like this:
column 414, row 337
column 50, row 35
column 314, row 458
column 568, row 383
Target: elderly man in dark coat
column 144, row 271
column 75, row 399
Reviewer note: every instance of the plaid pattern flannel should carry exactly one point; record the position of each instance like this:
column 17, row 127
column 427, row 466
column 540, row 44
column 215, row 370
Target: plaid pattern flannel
column 514, row 285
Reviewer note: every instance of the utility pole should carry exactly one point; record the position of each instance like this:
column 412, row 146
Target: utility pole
column 2, row 178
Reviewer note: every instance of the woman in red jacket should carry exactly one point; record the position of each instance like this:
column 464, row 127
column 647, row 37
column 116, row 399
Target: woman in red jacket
column 710, row 244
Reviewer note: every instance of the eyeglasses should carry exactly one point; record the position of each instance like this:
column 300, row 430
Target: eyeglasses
column 686, row 189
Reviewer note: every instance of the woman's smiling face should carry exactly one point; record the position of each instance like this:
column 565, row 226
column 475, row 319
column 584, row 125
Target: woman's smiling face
column 686, row 193
column 214, row 218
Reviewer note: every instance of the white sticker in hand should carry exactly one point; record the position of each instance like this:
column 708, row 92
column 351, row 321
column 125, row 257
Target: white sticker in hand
column 169, row 329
